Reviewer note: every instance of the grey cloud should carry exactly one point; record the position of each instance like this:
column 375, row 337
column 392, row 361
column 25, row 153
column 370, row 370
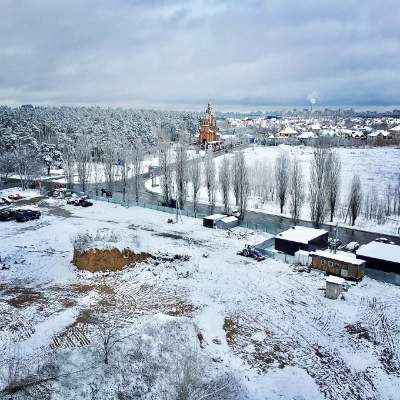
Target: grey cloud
column 175, row 54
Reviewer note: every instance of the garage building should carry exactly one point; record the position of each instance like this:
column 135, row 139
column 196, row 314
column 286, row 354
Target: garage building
column 381, row 256
column 301, row 238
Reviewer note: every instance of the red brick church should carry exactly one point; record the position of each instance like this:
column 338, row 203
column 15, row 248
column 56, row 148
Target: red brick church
column 208, row 127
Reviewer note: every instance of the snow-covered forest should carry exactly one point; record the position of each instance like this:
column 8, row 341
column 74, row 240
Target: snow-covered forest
column 33, row 139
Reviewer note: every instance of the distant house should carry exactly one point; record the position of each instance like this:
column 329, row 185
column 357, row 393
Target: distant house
column 316, row 128
column 381, row 256
column 301, row 238
column 287, row 132
column 379, row 138
column 341, row 264
column 395, row 131
column 307, row 137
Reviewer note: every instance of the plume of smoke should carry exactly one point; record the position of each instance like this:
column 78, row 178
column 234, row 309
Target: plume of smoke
column 312, row 98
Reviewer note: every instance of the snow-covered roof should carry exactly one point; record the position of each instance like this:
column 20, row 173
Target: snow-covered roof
column 377, row 133
column 380, row 251
column 301, row 234
column 340, row 256
column 229, row 219
column 335, row 279
column 225, row 137
column 288, row 131
column 306, row 135
column 395, row 129
column 302, row 253
column 215, row 217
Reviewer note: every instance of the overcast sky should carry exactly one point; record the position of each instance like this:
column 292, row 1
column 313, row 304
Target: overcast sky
column 179, row 54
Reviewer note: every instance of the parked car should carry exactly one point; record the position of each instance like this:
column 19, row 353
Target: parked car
column 7, row 214
column 15, row 196
column 26, row 215
column 80, row 201
column 4, row 201
column 85, row 203
column 74, row 201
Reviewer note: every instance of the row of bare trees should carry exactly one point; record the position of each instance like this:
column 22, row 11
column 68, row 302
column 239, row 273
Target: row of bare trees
column 323, row 187
column 286, row 185
column 101, row 163
column 181, row 176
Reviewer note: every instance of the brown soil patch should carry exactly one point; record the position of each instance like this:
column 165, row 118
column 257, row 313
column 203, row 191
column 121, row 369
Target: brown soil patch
column 95, row 260
column 22, row 296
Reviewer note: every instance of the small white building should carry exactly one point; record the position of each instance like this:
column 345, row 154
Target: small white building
column 227, row 222
column 334, row 287
column 211, row 220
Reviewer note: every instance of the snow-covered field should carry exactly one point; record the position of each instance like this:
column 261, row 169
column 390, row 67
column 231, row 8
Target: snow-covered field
column 265, row 326
column 377, row 167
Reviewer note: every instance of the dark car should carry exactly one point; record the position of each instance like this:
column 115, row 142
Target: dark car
column 26, row 215
column 85, row 203
column 7, row 214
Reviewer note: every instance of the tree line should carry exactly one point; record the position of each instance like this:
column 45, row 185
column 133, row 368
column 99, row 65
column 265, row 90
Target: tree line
column 284, row 183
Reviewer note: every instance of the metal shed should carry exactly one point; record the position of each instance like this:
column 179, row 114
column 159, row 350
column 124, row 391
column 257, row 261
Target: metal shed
column 301, row 238
column 381, row 256
column 227, row 222
column 211, row 220
column 334, row 287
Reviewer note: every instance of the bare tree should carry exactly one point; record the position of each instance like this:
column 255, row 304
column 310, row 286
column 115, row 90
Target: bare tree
column 83, row 160
column 109, row 158
column 243, row 183
column 165, row 159
column 195, row 179
column 137, row 165
column 191, row 384
column 282, row 168
column 28, row 165
column 122, row 162
column 225, row 181
column 296, row 190
column 236, row 178
column 30, row 377
column 333, row 182
column 355, row 199
column 388, row 199
column 109, row 337
column 210, row 179
column 318, row 185
column 69, row 164
column 181, row 173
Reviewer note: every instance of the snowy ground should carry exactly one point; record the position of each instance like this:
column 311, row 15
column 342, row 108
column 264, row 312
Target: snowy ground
column 377, row 167
column 265, row 324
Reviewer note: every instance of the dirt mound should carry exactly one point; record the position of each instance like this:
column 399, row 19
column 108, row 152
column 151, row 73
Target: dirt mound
column 95, row 260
